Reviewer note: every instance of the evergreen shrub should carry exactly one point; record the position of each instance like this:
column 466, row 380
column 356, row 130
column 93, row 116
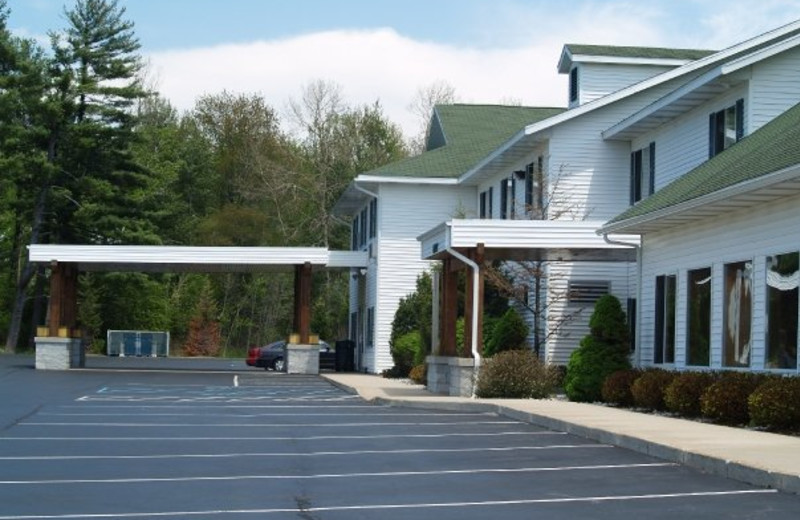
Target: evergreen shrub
column 510, row 333
column 682, row 396
column 617, row 387
column 601, row 353
column 517, row 374
column 405, row 351
column 775, row 404
column 648, row 390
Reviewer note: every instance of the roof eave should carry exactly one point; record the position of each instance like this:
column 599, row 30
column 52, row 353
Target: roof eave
column 634, row 225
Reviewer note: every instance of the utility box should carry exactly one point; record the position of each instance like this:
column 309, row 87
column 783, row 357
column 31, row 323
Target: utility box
column 137, row 343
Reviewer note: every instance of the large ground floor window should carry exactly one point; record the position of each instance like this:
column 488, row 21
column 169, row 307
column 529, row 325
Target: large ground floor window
column 698, row 352
column 737, row 314
column 783, row 275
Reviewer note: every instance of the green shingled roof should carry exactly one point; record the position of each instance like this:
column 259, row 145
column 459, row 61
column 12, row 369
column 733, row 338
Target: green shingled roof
column 772, row 148
column 638, row 52
column 472, row 132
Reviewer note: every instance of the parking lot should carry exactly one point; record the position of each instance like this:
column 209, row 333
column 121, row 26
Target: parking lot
column 262, row 445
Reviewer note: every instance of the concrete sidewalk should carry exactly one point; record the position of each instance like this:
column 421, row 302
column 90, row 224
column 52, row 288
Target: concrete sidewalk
column 759, row 458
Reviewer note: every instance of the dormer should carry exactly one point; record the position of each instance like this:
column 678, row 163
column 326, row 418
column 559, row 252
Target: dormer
column 597, row 70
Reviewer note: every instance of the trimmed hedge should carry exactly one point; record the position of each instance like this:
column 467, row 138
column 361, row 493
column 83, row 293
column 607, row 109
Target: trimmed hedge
column 682, row 396
column 725, row 401
column 648, row 389
column 775, row 404
column 517, row 374
column 617, row 387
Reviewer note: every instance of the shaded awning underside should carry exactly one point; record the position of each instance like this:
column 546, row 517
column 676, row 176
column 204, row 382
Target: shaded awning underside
column 157, row 259
column 519, row 240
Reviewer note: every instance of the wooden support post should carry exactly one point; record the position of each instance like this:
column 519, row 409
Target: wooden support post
column 449, row 313
column 480, row 259
column 302, row 301
column 56, row 299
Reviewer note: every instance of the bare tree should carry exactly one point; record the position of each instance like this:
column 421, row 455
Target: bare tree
column 425, row 99
column 531, row 284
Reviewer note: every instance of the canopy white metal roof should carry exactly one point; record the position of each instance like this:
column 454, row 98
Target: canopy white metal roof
column 194, row 259
column 547, row 240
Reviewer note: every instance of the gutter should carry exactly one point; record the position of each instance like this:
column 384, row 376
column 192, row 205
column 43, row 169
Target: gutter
column 637, row 353
column 475, row 308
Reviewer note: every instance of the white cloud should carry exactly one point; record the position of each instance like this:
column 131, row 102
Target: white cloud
column 369, row 65
column 517, row 57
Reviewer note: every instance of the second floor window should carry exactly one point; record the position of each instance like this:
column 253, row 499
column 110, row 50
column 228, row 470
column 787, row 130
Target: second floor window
column 643, row 173
column 725, row 128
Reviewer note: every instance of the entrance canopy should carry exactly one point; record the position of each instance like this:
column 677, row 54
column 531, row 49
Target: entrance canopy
column 547, row 240
column 159, row 259
column 66, row 261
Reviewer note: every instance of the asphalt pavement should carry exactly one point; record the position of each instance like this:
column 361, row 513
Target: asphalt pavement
column 242, row 443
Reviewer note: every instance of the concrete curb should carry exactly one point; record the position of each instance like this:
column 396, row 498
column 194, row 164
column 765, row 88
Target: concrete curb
column 707, row 464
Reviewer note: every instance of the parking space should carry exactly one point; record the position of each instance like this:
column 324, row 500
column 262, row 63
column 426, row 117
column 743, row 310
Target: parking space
column 253, row 445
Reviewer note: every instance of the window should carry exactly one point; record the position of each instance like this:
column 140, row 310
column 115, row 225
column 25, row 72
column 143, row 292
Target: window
column 482, row 205
column 504, row 199
column 534, row 194
column 643, row 173
column 699, row 319
column 725, row 128
column 370, row 327
column 665, row 320
column 587, row 292
column 783, row 275
column 355, row 234
column 362, row 226
column 573, row 85
column 373, row 218
column 737, row 314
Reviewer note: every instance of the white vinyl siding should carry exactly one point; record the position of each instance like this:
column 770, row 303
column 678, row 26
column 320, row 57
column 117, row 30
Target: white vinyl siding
column 748, row 234
column 596, row 80
column 775, row 87
column 405, row 212
column 682, row 144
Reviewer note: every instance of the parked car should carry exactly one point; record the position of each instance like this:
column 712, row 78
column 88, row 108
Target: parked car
column 272, row 356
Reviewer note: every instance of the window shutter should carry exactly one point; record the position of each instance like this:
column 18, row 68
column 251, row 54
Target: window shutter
column 739, row 119
column 652, row 169
column 529, row 187
column 632, row 191
column 503, row 199
column 490, row 201
column 513, row 198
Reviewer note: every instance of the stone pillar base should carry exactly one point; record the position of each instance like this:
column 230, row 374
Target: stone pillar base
column 461, row 376
column 450, row 375
column 59, row 353
column 302, row 359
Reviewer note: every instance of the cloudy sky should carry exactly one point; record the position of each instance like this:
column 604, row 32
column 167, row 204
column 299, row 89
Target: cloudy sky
column 490, row 51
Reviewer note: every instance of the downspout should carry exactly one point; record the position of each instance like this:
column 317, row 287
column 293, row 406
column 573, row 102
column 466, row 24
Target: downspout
column 638, row 350
column 475, row 308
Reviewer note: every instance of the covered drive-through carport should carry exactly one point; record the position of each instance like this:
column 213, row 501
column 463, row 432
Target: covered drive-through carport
column 58, row 344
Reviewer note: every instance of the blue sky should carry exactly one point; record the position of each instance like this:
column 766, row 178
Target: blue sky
column 489, row 50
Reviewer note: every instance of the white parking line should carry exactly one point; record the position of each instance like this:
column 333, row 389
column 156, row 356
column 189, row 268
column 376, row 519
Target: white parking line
column 283, row 438
column 240, row 478
column 307, row 454
column 252, row 415
column 380, row 507
column 264, row 425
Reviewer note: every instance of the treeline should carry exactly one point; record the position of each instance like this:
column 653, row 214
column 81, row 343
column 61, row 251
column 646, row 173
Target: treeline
column 89, row 154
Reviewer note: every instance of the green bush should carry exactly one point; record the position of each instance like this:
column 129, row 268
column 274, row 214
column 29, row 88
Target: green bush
column 510, row 333
column 775, row 404
column 419, row 374
column 617, row 387
column 682, row 396
column 601, row 353
column 725, row 401
column 405, row 350
column 648, row 389
column 517, row 374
